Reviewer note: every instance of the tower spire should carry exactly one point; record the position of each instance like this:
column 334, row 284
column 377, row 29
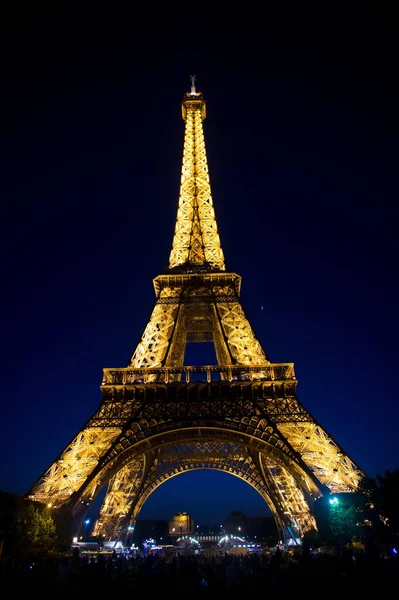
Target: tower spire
column 193, row 91
column 196, row 243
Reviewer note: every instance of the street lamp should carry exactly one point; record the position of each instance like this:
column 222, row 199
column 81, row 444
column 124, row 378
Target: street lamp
column 86, row 524
column 130, row 529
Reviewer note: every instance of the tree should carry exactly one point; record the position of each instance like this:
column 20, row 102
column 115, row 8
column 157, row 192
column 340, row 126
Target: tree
column 343, row 522
column 26, row 527
column 339, row 519
column 388, row 488
column 35, row 529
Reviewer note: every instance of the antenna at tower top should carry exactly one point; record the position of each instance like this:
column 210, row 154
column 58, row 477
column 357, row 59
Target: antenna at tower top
column 193, row 78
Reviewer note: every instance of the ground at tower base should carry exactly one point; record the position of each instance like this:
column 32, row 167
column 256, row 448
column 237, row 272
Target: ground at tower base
column 200, row 575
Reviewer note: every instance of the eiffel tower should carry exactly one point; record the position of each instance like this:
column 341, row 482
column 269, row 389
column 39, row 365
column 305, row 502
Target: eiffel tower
column 159, row 418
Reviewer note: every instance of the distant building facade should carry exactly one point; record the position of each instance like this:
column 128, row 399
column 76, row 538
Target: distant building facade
column 237, row 524
column 181, row 524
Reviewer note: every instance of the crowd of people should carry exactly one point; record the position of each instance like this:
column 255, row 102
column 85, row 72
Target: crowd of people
column 100, row 573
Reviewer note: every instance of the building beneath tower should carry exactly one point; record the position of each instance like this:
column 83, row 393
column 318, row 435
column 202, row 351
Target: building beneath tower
column 181, row 524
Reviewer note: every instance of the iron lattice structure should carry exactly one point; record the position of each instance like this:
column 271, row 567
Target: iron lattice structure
column 159, row 418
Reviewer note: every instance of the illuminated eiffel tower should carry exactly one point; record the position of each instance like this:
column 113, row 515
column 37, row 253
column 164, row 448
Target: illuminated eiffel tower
column 159, row 418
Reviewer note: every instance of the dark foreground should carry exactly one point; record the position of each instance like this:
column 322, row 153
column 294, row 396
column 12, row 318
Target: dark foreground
column 198, row 576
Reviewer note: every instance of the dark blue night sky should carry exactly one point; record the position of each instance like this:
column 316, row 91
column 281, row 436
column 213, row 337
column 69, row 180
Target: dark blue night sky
column 302, row 142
